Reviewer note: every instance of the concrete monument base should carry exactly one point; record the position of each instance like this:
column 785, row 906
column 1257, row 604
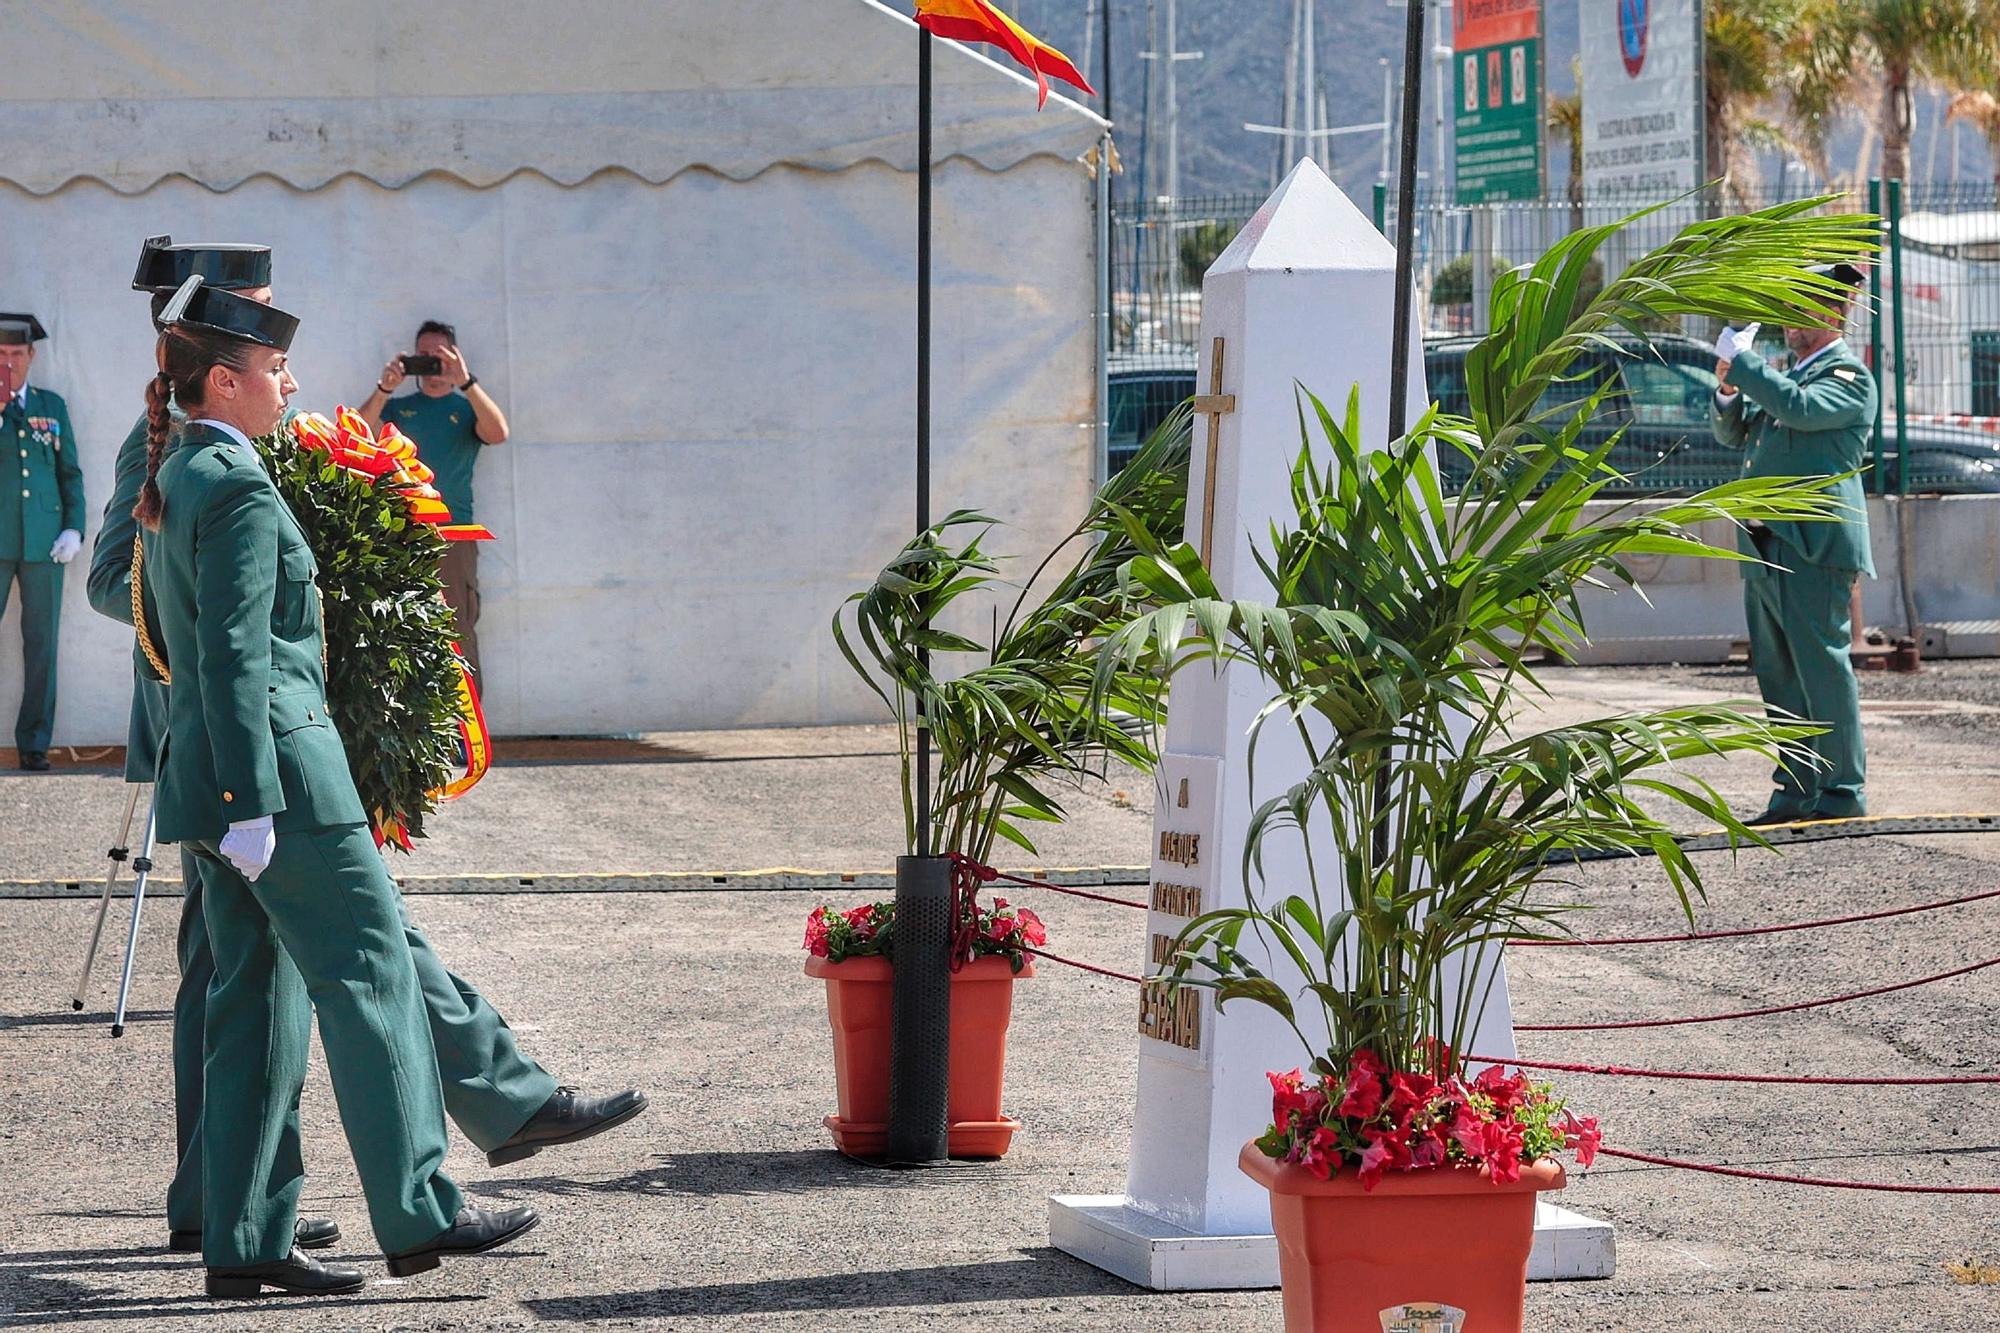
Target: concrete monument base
column 1106, row 1231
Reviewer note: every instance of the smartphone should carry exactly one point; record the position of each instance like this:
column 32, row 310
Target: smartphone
column 423, row 365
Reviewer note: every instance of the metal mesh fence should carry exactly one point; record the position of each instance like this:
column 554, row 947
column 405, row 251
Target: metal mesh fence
column 1940, row 421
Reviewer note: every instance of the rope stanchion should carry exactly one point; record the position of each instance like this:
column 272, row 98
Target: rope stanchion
column 1086, row 967
column 1777, row 1179
column 1707, row 1076
column 1756, row 1013
column 1759, row 930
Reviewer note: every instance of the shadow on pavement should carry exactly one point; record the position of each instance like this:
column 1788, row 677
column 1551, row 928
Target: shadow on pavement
column 32, row 1299
column 1038, row 1273
column 712, row 1174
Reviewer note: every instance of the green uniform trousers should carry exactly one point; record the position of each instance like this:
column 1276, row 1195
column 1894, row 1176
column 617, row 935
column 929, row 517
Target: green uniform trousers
column 327, row 901
column 490, row 1087
column 41, row 617
column 1800, row 630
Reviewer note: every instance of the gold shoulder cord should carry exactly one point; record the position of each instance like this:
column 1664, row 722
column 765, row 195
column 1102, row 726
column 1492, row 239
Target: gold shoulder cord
column 146, row 645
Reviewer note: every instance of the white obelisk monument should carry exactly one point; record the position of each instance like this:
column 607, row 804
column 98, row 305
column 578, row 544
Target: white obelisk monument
column 1303, row 296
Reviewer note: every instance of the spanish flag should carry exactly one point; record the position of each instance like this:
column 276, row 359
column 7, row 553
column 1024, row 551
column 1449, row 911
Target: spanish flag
column 978, row 21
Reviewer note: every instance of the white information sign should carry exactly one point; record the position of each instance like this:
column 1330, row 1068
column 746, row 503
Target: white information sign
column 1642, row 97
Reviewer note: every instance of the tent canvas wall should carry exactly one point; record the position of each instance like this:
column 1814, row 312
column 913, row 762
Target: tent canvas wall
column 678, row 242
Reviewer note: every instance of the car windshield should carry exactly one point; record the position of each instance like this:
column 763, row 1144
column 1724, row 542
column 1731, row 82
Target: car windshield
column 1668, row 393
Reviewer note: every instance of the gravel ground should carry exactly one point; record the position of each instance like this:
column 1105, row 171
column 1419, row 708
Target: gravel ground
column 724, row 1208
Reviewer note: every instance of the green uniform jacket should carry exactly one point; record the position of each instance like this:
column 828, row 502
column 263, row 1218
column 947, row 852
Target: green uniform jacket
column 1815, row 426
column 248, row 732
column 110, row 588
column 38, row 450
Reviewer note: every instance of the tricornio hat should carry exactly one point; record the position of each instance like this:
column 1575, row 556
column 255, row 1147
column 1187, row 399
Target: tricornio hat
column 17, row 330
column 1846, row 274
column 213, row 310
column 164, row 266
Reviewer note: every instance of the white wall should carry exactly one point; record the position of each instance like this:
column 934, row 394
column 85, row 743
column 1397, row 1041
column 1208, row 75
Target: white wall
column 710, row 385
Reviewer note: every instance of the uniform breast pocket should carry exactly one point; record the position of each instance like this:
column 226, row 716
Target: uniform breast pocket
column 297, row 609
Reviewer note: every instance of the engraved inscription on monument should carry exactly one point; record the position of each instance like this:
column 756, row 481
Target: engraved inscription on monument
column 1170, row 1016
column 1181, row 849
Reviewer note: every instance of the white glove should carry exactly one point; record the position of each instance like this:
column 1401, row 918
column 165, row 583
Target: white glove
column 68, row 542
column 248, row 846
column 1732, row 343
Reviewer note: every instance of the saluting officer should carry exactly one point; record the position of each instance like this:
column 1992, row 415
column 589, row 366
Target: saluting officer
column 1813, row 420
column 504, row 1101
column 41, row 526
column 254, row 777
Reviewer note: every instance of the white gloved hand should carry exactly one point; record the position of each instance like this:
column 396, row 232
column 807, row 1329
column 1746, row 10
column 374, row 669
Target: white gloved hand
column 68, row 542
column 1732, row 343
column 249, row 845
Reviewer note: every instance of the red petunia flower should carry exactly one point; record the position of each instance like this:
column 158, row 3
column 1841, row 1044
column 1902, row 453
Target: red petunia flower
column 1582, row 1134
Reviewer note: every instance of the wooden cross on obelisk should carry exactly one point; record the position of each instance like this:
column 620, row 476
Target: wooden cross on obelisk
column 1212, row 404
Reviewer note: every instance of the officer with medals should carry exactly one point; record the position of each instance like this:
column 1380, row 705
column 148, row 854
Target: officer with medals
column 41, row 526
column 254, row 780
column 500, row 1098
column 1813, row 420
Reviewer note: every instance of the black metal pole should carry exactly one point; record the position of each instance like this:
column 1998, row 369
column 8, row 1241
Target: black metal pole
column 1406, row 215
column 1104, row 24
column 923, row 399
column 919, row 1130
column 1399, row 341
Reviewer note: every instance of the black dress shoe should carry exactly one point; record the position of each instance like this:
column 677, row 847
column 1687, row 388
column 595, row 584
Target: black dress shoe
column 475, row 1231
column 35, row 761
column 565, row 1118
column 294, row 1275
column 310, row 1233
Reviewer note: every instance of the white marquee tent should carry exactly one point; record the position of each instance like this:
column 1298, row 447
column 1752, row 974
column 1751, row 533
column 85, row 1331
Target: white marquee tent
column 677, row 239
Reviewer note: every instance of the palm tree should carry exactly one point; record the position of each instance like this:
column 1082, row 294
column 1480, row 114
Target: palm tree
column 1744, row 65
column 1566, row 119
column 1842, row 47
column 1981, row 110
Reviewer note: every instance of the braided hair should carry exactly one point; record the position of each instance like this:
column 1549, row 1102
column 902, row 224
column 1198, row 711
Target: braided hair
column 185, row 355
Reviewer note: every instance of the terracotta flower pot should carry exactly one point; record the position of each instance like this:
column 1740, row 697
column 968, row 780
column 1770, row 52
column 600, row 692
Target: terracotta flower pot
column 1449, row 1236
column 857, row 1008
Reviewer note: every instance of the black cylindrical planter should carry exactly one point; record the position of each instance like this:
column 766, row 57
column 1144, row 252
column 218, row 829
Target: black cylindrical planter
column 920, row 1013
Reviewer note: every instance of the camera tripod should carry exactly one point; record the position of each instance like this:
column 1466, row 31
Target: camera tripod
column 142, row 869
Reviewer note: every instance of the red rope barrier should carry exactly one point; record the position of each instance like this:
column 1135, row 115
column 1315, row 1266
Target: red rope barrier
column 988, row 873
column 1759, row 930
column 1821, row 1181
column 1832, row 1080
column 1753, row 1013
column 1087, row 967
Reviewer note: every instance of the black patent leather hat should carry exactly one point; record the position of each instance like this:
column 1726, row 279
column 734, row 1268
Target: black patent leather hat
column 164, row 266
column 199, row 306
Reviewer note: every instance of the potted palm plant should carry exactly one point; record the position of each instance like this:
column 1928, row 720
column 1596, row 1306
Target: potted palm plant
column 1402, row 630
column 1011, row 722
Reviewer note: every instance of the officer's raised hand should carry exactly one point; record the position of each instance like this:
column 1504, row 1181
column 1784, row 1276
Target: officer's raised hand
column 1732, row 343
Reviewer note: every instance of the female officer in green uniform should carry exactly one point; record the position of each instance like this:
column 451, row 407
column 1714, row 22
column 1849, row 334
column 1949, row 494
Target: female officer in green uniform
column 503, row 1100
column 254, row 779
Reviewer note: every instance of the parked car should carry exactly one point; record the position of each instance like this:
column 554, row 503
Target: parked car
column 1660, row 397
column 1141, row 397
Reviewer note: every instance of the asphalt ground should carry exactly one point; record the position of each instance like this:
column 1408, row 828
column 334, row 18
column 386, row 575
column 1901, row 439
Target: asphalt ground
column 724, row 1206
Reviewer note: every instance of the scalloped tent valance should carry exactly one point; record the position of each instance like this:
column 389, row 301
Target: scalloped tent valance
column 221, row 91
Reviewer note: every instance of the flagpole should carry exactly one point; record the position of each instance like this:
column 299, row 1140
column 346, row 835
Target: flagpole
column 919, row 1128
column 1399, row 344
column 923, row 400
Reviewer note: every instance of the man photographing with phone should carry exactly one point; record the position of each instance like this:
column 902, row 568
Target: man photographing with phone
column 451, row 418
